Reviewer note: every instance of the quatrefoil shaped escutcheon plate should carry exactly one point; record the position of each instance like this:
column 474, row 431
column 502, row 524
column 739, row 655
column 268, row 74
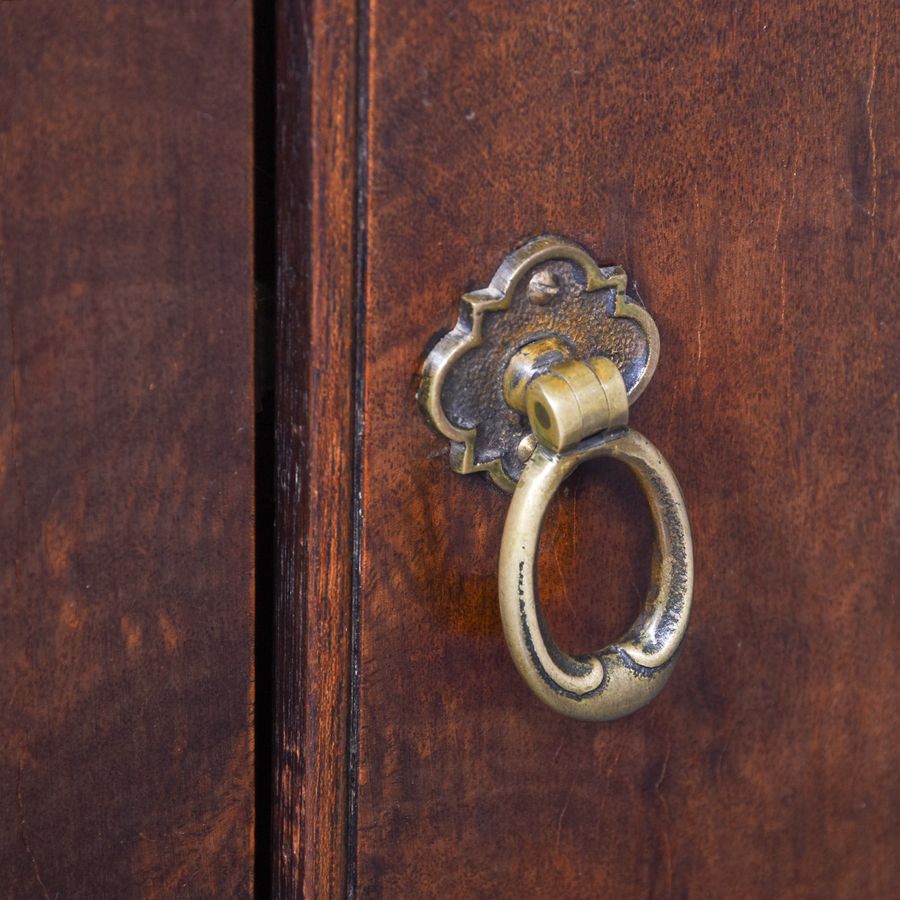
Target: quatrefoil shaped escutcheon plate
column 549, row 289
column 536, row 378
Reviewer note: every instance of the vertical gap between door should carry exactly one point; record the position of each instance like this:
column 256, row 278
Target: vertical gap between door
column 289, row 50
column 265, row 261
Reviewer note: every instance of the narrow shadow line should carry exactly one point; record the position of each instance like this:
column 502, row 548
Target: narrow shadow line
column 265, row 256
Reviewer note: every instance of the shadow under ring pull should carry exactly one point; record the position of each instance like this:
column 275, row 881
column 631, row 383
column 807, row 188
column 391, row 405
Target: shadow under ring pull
column 536, row 378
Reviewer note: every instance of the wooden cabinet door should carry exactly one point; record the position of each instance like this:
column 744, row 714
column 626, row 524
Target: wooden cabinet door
column 126, row 450
column 739, row 161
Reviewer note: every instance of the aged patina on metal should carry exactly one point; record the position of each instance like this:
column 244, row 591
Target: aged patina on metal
column 536, row 378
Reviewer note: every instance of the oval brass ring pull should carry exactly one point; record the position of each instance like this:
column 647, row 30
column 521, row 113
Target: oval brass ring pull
column 629, row 673
column 536, row 378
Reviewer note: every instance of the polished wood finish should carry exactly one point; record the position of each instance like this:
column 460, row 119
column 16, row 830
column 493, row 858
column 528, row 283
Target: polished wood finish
column 126, row 450
column 737, row 160
column 316, row 322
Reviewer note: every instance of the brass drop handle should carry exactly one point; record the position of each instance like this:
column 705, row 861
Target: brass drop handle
column 535, row 379
column 624, row 676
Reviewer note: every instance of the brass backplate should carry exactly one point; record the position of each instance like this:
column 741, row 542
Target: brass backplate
column 548, row 289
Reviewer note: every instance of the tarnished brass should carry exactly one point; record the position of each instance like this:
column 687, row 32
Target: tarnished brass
column 624, row 676
column 532, row 360
column 575, row 400
column 548, row 289
column 536, row 378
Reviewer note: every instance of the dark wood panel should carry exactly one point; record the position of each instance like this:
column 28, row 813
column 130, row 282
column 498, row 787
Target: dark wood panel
column 126, row 450
column 738, row 160
column 316, row 322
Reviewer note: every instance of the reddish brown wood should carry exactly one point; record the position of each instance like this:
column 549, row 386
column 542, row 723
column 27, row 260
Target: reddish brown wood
column 126, row 470
column 738, row 160
column 317, row 158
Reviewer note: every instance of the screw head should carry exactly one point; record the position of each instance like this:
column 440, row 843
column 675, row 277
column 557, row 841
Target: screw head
column 543, row 287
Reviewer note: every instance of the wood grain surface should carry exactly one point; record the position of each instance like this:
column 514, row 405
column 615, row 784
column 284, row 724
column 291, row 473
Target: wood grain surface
column 315, row 361
column 739, row 161
column 126, row 450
